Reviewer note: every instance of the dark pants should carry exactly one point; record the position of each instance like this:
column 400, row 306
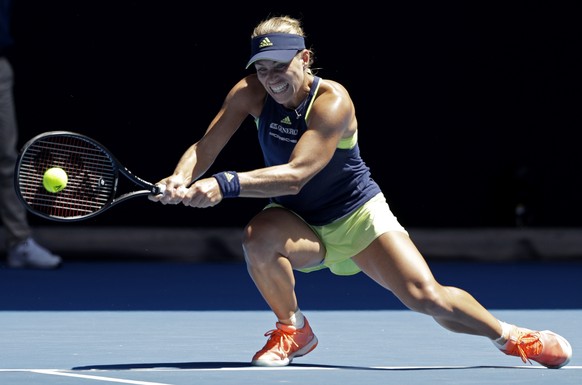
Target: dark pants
column 12, row 212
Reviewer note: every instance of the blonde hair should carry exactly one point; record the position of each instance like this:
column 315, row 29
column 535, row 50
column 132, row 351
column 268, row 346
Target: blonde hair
column 283, row 24
column 279, row 24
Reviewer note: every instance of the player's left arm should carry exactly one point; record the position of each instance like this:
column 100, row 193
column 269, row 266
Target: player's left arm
column 332, row 117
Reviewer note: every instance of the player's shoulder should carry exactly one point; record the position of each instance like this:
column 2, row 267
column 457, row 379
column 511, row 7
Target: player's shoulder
column 333, row 93
column 248, row 93
column 249, row 87
column 249, row 83
column 333, row 87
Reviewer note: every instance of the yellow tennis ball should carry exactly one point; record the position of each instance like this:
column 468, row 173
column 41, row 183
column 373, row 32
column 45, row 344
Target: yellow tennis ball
column 55, row 179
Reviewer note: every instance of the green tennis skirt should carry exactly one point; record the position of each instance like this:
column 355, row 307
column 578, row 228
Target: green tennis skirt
column 351, row 234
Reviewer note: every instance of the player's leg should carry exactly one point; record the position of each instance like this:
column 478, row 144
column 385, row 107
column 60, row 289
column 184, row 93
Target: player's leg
column 275, row 243
column 394, row 262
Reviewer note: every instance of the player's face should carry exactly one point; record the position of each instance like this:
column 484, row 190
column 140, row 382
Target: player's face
column 283, row 81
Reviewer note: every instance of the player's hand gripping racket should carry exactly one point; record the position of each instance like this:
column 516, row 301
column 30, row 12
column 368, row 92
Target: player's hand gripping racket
column 93, row 177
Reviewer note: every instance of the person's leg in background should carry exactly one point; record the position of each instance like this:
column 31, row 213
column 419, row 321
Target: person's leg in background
column 22, row 249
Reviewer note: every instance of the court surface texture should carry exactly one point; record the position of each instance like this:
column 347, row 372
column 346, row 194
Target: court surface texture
column 146, row 323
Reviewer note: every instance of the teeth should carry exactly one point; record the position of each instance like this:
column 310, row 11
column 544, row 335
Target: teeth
column 279, row 88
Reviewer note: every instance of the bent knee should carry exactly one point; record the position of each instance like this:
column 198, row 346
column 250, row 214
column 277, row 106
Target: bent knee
column 259, row 235
column 262, row 236
column 276, row 233
column 254, row 244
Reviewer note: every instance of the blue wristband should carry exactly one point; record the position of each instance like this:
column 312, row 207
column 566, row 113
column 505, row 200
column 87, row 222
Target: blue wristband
column 228, row 183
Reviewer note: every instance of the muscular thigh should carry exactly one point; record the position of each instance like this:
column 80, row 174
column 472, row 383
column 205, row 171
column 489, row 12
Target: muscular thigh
column 279, row 231
column 394, row 262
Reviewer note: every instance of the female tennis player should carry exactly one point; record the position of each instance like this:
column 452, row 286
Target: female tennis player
column 325, row 210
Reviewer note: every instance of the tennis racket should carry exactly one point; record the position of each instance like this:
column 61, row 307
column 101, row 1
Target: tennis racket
column 94, row 176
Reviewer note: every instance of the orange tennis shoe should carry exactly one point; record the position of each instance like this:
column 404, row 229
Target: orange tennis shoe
column 285, row 343
column 545, row 347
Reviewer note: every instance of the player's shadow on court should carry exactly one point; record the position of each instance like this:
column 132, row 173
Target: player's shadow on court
column 231, row 365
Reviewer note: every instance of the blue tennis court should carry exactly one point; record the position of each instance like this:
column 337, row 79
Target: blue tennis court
column 177, row 323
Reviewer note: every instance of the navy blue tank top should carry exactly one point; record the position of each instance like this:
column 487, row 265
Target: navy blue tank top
column 342, row 186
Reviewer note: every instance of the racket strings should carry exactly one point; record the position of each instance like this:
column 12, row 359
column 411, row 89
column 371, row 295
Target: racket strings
column 90, row 170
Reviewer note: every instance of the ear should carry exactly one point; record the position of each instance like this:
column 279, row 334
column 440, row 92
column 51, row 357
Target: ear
column 305, row 56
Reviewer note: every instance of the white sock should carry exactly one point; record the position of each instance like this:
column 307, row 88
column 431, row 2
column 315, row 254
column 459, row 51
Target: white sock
column 501, row 342
column 297, row 319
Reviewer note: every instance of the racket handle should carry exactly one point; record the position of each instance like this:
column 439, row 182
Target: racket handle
column 159, row 189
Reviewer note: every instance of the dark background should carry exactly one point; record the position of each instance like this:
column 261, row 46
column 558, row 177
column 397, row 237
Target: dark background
column 464, row 110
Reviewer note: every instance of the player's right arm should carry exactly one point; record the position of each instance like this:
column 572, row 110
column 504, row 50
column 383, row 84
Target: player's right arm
column 244, row 99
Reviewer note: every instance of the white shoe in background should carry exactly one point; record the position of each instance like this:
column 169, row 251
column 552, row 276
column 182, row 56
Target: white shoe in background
column 29, row 254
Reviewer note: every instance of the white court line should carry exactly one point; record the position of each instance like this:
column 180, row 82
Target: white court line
column 395, row 368
column 98, row 378
column 60, row 372
column 471, row 367
column 65, row 372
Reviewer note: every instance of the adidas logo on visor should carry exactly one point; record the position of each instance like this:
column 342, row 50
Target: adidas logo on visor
column 265, row 43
